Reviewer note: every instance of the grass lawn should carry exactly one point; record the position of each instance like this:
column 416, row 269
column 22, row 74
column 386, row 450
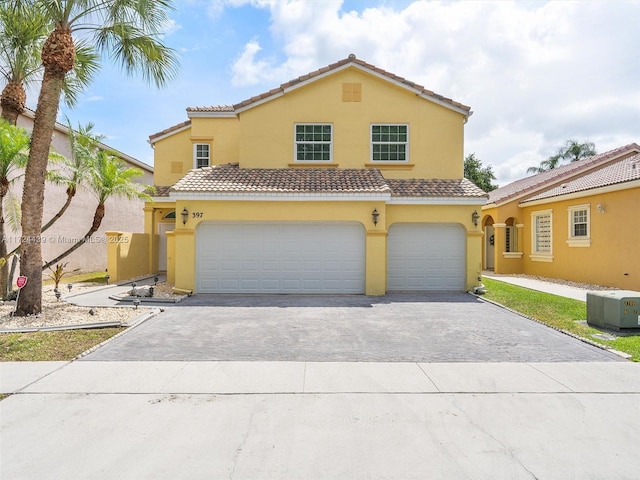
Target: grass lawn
column 90, row 277
column 51, row 346
column 557, row 312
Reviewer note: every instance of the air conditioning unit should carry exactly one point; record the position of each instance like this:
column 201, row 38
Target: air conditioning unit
column 614, row 309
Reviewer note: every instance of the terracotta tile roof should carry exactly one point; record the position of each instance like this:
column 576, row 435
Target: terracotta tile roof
column 230, row 178
column 625, row 170
column 159, row 191
column 169, row 130
column 545, row 179
column 417, row 187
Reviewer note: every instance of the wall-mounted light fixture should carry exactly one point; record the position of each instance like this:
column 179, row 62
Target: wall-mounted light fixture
column 185, row 215
column 374, row 216
column 475, row 217
column 600, row 208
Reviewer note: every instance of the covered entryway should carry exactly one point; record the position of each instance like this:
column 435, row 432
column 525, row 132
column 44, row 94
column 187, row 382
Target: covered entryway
column 426, row 256
column 266, row 257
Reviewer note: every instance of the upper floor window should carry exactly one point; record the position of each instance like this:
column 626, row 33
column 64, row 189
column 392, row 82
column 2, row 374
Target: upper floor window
column 579, row 226
column 389, row 143
column 313, row 142
column 201, row 155
column 541, row 242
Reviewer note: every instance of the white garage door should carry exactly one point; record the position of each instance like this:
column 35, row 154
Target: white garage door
column 280, row 258
column 426, row 257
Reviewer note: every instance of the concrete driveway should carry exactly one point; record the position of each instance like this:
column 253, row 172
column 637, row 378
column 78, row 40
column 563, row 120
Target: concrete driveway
column 424, row 327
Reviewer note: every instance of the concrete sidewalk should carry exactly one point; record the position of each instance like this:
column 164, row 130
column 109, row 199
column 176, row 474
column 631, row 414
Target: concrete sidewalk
column 277, row 420
column 541, row 286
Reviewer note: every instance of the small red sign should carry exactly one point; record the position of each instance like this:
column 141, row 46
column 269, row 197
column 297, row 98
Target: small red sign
column 21, row 281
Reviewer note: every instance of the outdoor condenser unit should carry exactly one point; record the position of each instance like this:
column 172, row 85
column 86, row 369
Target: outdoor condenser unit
column 614, row 309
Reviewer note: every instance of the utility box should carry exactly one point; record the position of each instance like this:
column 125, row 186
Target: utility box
column 614, row 309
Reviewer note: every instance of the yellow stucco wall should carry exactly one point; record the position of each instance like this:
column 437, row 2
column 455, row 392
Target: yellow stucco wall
column 612, row 258
column 182, row 266
column 127, row 255
column 497, row 217
column 173, row 155
column 263, row 136
column 435, row 132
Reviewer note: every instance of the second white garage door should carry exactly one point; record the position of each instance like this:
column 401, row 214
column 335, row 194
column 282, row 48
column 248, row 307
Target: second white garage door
column 424, row 256
column 280, row 258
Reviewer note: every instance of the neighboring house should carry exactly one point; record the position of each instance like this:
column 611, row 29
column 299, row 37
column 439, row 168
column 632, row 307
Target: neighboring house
column 346, row 180
column 120, row 213
column 578, row 222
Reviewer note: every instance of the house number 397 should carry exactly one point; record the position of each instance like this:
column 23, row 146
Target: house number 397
column 197, row 215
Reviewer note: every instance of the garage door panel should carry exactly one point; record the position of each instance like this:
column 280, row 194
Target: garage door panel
column 426, row 257
column 280, row 258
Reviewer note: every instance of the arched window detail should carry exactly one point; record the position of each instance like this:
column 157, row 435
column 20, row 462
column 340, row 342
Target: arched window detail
column 170, row 216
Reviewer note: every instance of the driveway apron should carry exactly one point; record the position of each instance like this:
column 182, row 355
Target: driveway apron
column 420, row 327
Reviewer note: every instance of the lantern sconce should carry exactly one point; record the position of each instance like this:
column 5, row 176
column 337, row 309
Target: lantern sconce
column 475, row 217
column 374, row 216
column 185, row 215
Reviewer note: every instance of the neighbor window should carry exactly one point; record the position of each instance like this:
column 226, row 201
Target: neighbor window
column 541, row 235
column 201, row 155
column 579, row 226
column 313, row 142
column 389, row 143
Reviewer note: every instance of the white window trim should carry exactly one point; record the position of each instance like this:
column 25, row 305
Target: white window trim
column 195, row 157
column 295, row 143
column 537, row 256
column 582, row 241
column 371, row 143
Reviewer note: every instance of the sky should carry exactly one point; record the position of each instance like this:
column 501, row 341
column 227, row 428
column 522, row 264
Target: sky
column 535, row 74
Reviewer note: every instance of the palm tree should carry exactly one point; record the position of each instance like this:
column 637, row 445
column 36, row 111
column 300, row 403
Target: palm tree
column 127, row 30
column 21, row 37
column 108, row 177
column 82, row 143
column 572, row 151
column 14, row 146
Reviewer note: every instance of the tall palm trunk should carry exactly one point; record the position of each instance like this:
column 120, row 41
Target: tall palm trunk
column 58, row 57
column 12, row 101
column 97, row 220
column 4, row 270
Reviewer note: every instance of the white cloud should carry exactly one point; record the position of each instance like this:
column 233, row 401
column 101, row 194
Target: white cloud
column 535, row 74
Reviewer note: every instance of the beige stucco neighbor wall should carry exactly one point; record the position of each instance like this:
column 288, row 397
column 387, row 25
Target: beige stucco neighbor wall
column 120, row 215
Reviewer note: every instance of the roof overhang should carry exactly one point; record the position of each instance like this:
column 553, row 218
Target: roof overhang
column 436, row 201
column 582, row 193
column 211, row 114
column 168, row 134
column 281, row 197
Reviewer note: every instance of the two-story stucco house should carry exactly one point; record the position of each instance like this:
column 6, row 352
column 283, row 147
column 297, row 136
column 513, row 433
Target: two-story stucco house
column 346, row 180
column 576, row 222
